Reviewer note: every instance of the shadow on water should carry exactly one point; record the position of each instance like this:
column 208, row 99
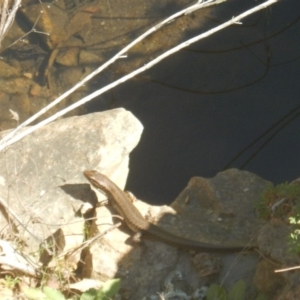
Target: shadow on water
column 235, row 92
column 268, row 135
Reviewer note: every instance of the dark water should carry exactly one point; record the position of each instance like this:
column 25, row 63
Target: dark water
column 207, row 104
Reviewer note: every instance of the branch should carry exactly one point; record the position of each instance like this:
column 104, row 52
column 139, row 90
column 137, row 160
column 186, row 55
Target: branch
column 9, row 139
column 200, row 4
column 7, row 16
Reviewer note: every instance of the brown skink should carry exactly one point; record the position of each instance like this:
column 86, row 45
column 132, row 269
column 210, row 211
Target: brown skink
column 137, row 223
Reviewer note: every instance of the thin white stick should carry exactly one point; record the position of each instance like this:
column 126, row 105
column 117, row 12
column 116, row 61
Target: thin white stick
column 188, row 10
column 3, row 17
column 7, row 17
column 13, row 259
column 287, row 269
column 11, row 16
column 12, row 213
column 234, row 20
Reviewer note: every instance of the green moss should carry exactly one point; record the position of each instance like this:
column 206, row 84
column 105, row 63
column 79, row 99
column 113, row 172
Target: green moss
column 278, row 201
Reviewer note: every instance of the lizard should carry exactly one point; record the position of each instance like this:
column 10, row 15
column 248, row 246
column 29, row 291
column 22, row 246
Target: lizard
column 138, row 224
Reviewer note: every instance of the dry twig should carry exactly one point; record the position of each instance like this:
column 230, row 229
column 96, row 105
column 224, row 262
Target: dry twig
column 8, row 9
column 12, row 137
column 200, row 4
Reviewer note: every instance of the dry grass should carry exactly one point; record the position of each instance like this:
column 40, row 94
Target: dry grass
column 8, row 9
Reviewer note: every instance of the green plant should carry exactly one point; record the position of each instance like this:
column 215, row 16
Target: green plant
column 46, row 293
column 216, row 292
column 294, row 239
column 106, row 292
column 10, row 282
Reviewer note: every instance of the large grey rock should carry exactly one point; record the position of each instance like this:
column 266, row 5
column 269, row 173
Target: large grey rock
column 41, row 176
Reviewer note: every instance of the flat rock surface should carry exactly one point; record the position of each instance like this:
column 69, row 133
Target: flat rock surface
column 222, row 209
